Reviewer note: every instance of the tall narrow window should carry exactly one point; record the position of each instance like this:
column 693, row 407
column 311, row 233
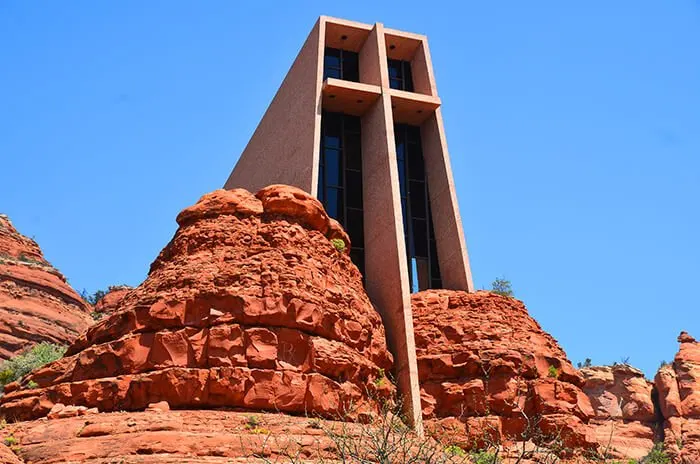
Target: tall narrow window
column 340, row 178
column 424, row 269
column 400, row 76
column 341, row 64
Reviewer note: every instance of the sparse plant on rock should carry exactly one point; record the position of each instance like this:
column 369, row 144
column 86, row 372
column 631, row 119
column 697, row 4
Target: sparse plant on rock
column 339, row 244
column 484, row 457
column 502, row 286
column 21, row 365
column 553, row 372
column 657, row 455
column 586, row 363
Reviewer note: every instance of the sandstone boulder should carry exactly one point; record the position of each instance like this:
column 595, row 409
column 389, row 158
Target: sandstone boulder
column 109, row 303
column 36, row 303
column 678, row 386
column 489, row 372
column 249, row 306
column 625, row 416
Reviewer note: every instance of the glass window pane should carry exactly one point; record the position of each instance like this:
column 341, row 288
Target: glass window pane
column 331, row 58
column 407, row 77
column 394, row 68
column 358, row 257
column 332, row 124
column 321, row 185
column 353, row 151
column 396, row 84
column 352, row 124
column 400, row 149
column 355, row 228
column 353, row 189
column 334, row 204
column 417, row 196
column 334, row 167
column 351, row 68
column 416, row 166
column 420, row 238
column 402, row 178
column 331, row 72
column 331, row 141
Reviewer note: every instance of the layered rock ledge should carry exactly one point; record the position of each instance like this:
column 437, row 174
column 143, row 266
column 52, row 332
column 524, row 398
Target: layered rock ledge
column 625, row 422
column 249, row 306
column 678, row 386
column 489, row 373
column 36, row 303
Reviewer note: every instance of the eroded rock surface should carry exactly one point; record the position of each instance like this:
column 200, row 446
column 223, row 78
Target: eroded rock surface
column 678, row 385
column 250, row 305
column 489, row 372
column 625, row 420
column 109, row 303
column 36, row 303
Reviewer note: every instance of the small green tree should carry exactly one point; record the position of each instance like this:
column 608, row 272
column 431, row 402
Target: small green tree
column 586, row 363
column 502, row 286
column 22, row 364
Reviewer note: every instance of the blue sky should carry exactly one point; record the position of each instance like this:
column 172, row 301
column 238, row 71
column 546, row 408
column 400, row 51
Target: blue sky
column 573, row 127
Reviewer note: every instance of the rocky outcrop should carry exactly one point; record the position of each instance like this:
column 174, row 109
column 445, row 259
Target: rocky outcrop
column 678, row 386
column 36, row 303
column 249, row 306
column 109, row 303
column 625, row 419
column 172, row 437
column 489, row 373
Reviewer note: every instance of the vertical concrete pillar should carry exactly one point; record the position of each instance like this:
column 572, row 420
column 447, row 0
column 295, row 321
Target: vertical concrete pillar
column 386, row 267
column 449, row 236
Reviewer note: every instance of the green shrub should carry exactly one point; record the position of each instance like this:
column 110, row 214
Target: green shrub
column 502, row 287
column 454, row 450
column 339, row 244
column 484, row 457
column 22, row 364
column 657, row 455
column 586, row 363
column 252, row 422
column 553, row 372
column 96, row 316
column 10, row 441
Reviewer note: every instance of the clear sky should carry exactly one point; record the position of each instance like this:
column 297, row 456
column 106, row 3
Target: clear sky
column 573, row 127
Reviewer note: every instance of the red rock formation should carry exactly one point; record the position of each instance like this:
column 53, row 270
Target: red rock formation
column 36, row 303
column 110, row 302
column 625, row 417
column 489, row 372
column 250, row 305
column 678, row 386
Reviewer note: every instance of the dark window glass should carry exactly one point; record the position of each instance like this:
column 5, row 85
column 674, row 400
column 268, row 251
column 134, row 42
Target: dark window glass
column 351, row 124
column 341, row 64
column 400, row 76
column 420, row 238
column 351, row 66
column 417, row 195
column 354, row 189
column 340, row 177
column 419, row 235
column 355, row 228
column 358, row 257
column 334, row 204
column 333, row 173
column 353, row 151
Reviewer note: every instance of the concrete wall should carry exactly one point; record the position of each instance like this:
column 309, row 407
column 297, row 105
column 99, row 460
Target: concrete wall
column 447, row 222
column 285, row 146
column 386, row 267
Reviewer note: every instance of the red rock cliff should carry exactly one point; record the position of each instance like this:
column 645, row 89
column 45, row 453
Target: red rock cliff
column 488, row 372
column 678, row 385
column 250, row 305
column 36, row 303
